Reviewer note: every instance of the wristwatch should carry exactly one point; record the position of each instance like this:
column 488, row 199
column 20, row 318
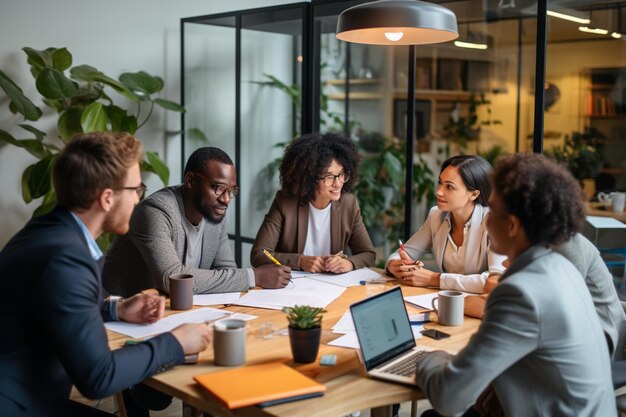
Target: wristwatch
column 115, row 301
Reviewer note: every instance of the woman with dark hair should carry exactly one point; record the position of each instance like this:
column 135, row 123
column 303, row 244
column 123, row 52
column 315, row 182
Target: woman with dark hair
column 314, row 218
column 454, row 231
column 540, row 348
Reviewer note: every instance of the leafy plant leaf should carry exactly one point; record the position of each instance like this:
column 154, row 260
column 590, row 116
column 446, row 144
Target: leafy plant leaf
column 94, row 118
column 169, row 105
column 53, row 84
column 32, row 146
column 69, row 123
column 129, row 124
column 61, row 59
column 141, row 83
column 37, row 179
column 19, row 102
column 39, row 135
column 158, row 167
column 48, row 203
column 38, row 60
column 92, row 75
column 196, row 134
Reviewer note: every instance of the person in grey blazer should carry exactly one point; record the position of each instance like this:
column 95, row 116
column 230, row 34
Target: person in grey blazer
column 540, row 347
column 586, row 258
column 181, row 229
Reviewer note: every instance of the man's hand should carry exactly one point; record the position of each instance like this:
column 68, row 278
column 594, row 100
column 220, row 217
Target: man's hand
column 193, row 337
column 337, row 264
column 141, row 308
column 272, row 276
column 311, row 264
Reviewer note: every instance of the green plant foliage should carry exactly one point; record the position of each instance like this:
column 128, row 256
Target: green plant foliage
column 463, row 129
column 304, row 317
column 581, row 153
column 80, row 97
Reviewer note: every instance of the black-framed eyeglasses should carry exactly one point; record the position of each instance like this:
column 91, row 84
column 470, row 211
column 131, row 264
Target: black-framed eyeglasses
column 329, row 180
column 220, row 189
column 141, row 190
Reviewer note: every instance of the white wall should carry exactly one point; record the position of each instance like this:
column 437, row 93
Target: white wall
column 114, row 36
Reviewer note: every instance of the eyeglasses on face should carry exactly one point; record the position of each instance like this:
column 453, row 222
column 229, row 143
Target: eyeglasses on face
column 220, row 189
column 329, row 180
column 141, row 190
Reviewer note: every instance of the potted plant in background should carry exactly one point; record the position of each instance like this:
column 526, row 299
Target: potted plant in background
column 82, row 103
column 305, row 331
column 461, row 130
column 581, row 153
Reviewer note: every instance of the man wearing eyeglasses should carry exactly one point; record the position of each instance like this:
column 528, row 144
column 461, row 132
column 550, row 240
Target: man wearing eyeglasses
column 52, row 306
column 181, row 229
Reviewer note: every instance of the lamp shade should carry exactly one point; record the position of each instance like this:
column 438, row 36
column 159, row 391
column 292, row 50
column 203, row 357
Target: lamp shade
column 397, row 22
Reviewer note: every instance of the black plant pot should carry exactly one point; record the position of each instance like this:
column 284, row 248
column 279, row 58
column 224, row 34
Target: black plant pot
column 305, row 344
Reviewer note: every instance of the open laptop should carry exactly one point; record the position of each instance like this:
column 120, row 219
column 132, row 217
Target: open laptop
column 388, row 347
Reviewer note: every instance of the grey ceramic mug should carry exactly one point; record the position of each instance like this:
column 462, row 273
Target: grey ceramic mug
column 450, row 308
column 229, row 342
column 181, row 291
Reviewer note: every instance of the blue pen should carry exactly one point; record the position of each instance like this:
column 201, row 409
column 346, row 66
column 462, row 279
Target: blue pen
column 417, row 323
column 362, row 282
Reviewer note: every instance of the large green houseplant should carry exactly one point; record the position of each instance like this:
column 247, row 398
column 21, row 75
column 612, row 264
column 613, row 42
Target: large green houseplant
column 81, row 98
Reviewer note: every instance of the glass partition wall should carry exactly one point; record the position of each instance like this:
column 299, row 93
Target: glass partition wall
column 472, row 96
column 242, row 86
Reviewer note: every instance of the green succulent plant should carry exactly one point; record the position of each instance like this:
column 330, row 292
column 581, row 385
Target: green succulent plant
column 304, row 317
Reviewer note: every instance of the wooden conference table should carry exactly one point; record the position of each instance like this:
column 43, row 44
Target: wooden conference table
column 348, row 389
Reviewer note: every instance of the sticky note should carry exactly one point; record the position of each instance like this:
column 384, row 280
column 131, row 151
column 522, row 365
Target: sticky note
column 328, row 360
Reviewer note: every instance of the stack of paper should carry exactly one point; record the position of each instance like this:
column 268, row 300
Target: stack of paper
column 348, row 279
column 301, row 291
column 168, row 323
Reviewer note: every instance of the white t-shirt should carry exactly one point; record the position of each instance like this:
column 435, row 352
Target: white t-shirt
column 318, row 234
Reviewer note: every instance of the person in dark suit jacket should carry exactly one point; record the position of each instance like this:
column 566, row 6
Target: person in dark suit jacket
column 314, row 218
column 52, row 306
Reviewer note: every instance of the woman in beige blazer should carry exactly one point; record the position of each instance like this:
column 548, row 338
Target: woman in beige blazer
column 455, row 231
column 314, row 223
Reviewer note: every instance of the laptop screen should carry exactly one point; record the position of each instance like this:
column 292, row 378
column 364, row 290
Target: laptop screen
column 382, row 326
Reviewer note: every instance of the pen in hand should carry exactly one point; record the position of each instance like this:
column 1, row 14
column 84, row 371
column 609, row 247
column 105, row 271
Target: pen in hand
column 270, row 257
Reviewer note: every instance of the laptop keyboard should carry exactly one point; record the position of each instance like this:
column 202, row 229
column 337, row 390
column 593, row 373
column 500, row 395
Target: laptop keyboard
column 406, row 367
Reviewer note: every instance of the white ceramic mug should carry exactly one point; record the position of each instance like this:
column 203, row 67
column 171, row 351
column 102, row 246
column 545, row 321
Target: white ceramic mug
column 604, row 198
column 450, row 307
column 229, row 342
column 617, row 201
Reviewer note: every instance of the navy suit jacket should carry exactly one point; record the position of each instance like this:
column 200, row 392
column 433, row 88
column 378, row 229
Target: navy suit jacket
column 51, row 324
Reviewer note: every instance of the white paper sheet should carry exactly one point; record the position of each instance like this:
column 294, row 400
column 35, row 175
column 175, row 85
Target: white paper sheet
column 168, row 323
column 348, row 279
column 216, row 299
column 302, row 291
column 605, row 222
column 344, row 324
column 423, row 301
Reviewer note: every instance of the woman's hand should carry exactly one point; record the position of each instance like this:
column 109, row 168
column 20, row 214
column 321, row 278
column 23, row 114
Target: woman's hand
column 337, row 264
column 475, row 305
column 418, row 276
column 313, row 264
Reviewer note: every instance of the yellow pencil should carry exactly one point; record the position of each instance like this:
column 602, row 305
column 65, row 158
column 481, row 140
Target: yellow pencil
column 270, row 257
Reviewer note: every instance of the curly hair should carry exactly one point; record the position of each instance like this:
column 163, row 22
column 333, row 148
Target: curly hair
column 306, row 159
column 474, row 171
column 543, row 195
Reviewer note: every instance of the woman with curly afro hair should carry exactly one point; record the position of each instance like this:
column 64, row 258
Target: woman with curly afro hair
column 540, row 348
column 314, row 219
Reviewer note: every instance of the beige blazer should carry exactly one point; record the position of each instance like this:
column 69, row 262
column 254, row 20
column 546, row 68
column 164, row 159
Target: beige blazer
column 284, row 232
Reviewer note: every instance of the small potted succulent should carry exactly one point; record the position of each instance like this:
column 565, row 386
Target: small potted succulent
column 305, row 331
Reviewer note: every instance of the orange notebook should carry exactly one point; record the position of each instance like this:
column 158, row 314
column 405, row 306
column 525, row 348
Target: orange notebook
column 263, row 385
